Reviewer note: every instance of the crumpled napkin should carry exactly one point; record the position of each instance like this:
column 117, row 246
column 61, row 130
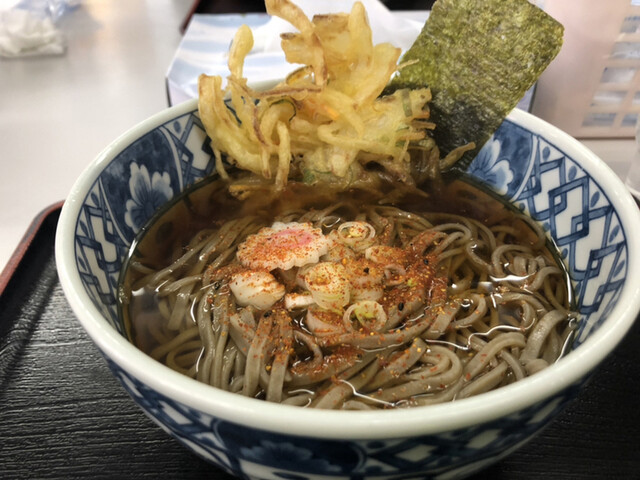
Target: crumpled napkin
column 24, row 34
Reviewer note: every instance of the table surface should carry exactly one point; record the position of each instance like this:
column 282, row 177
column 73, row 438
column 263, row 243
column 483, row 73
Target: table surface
column 58, row 113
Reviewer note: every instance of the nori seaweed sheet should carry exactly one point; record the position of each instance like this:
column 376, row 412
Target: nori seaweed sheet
column 479, row 57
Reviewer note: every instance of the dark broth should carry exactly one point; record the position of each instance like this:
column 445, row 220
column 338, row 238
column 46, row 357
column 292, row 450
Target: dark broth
column 208, row 205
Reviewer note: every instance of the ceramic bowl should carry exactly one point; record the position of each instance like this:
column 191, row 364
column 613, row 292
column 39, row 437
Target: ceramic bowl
column 582, row 204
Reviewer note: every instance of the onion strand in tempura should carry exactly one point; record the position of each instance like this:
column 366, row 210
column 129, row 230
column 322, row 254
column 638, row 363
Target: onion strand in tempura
column 327, row 120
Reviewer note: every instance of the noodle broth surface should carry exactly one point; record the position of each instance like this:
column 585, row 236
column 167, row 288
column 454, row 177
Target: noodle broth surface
column 450, row 294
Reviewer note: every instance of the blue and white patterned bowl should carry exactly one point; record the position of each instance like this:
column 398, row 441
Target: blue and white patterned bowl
column 580, row 201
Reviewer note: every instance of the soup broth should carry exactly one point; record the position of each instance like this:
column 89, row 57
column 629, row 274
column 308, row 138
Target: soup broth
column 381, row 299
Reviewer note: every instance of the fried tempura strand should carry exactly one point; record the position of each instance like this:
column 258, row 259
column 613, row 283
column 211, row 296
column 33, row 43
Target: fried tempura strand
column 327, row 119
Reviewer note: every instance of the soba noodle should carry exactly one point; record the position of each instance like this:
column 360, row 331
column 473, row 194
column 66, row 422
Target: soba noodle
column 488, row 306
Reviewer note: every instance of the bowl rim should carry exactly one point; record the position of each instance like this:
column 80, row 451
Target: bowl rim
column 344, row 425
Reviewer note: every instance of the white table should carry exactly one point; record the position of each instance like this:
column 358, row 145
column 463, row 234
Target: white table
column 58, row 113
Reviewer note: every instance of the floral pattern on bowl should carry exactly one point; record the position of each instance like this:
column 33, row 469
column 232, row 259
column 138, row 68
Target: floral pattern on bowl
column 148, row 194
column 253, row 453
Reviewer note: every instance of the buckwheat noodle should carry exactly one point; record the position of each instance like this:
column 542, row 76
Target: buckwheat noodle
column 495, row 312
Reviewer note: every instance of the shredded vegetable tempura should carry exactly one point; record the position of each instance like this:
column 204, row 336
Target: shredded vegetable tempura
column 327, row 120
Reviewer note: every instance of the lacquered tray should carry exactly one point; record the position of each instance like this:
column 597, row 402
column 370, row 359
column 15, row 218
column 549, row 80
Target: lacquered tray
column 62, row 414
